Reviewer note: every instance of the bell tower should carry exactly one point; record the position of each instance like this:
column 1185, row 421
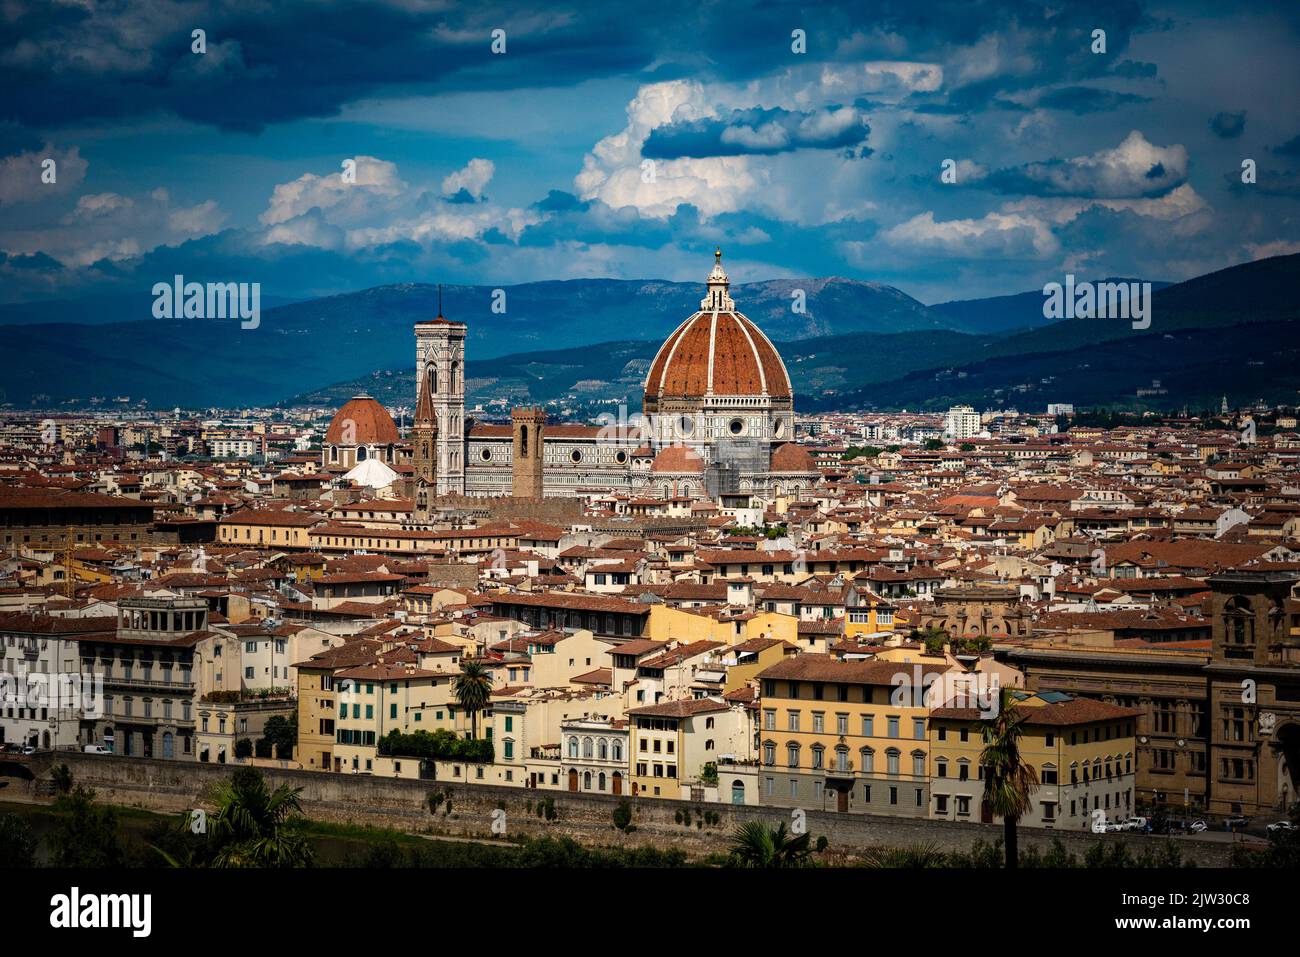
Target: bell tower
column 424, row 442
column 440, row 362
column 529, row 460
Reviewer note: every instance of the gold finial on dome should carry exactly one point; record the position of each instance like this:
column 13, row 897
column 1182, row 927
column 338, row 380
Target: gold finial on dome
column 717, row 255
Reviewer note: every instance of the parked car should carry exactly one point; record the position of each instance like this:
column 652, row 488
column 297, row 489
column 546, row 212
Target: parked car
column 1278, row 827
column 1235, row 821
column 10, row 748
column 96, row 749
column 28, row 749
column 1134, row 824
column 1197, row 826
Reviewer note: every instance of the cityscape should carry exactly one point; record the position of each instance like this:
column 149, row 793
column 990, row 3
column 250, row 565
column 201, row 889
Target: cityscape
column 680, row 461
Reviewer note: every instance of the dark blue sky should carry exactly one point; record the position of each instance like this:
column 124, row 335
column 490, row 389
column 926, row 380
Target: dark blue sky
column 502, row 168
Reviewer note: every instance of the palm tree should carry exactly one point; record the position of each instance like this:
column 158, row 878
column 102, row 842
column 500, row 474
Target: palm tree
column 254, row 826
column 754, row 844
column 1009, row 782
column 473, row 687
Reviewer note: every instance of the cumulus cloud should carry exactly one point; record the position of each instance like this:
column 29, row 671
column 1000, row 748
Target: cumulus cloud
column 380, row 208
column 375, row 180
column 21, row 175
column 115, row 227
column 993, row 235
column 1133, row 169
column 758, row 131
column 470, row 180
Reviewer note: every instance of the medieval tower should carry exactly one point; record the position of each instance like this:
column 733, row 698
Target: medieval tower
column 440, row 362
column 529, row 458
column 424, row 444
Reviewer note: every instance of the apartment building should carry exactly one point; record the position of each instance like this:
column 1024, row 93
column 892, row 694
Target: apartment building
column 1082, row 751
column 844, row 735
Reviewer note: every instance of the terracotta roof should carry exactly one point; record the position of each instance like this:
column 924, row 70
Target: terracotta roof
column 810, row 667
column 792, row 458
column 370, row 424
column 680, row 709
column 678, row 458
column 721, row 353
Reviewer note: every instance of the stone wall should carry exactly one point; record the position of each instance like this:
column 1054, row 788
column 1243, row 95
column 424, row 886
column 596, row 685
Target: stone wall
column 403, row 804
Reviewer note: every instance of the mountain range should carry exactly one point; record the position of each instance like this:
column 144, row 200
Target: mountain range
column 586, row 345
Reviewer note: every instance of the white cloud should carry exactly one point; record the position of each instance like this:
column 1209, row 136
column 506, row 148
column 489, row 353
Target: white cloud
column 473, row 178
column 116, row 227
column 21, row 175
column 994, row 234
column 376, row 182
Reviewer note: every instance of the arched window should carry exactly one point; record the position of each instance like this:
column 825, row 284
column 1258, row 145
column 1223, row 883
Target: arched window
column 573, row 747
column 586, row 747
column 868, row 760
column 618, row 750
column 841, row 758
column 361, row 453
column 792, row 755
column 586, row 780
column 819, row 756
column 523, row 441
column 918, row 764
column 603, row 750
column 600, row 782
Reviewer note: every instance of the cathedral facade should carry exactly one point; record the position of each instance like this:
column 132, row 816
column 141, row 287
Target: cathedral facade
column 717, row 419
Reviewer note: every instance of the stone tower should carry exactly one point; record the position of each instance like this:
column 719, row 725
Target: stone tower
column 440, row 361
column 424, row 443
column 526, row 470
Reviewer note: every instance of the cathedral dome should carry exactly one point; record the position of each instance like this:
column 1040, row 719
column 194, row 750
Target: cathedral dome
column 677, row 458
column 792, row 458
column 716, row 352
column 362, row 421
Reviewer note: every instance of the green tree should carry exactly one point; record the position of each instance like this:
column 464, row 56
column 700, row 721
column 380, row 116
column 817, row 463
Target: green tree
column 254, row 826
column 934, row 639
column 1009, row 782
column 62, row 778
column 933, row 445
column 280, row 733
column 244, row 748
column 17, row 842
column 86, row 835
column 756, row 845
column 473, row 688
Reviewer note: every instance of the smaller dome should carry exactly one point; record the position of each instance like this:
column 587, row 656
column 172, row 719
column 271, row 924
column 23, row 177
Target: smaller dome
column 792, row 458
column 677, row 458
column 370, row 424
column 372, row 473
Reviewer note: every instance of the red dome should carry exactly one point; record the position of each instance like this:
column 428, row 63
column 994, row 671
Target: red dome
column 792, row 458
column 677, row 458
column 370, row 424
column 717, row 352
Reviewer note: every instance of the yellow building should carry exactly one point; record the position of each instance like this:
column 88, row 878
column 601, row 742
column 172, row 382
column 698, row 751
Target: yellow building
column 267, row 528
column 866, row 613
column 717, row 623
column 1082, row 750
column 844, row 735
column 318, row 703
column 671, row 743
